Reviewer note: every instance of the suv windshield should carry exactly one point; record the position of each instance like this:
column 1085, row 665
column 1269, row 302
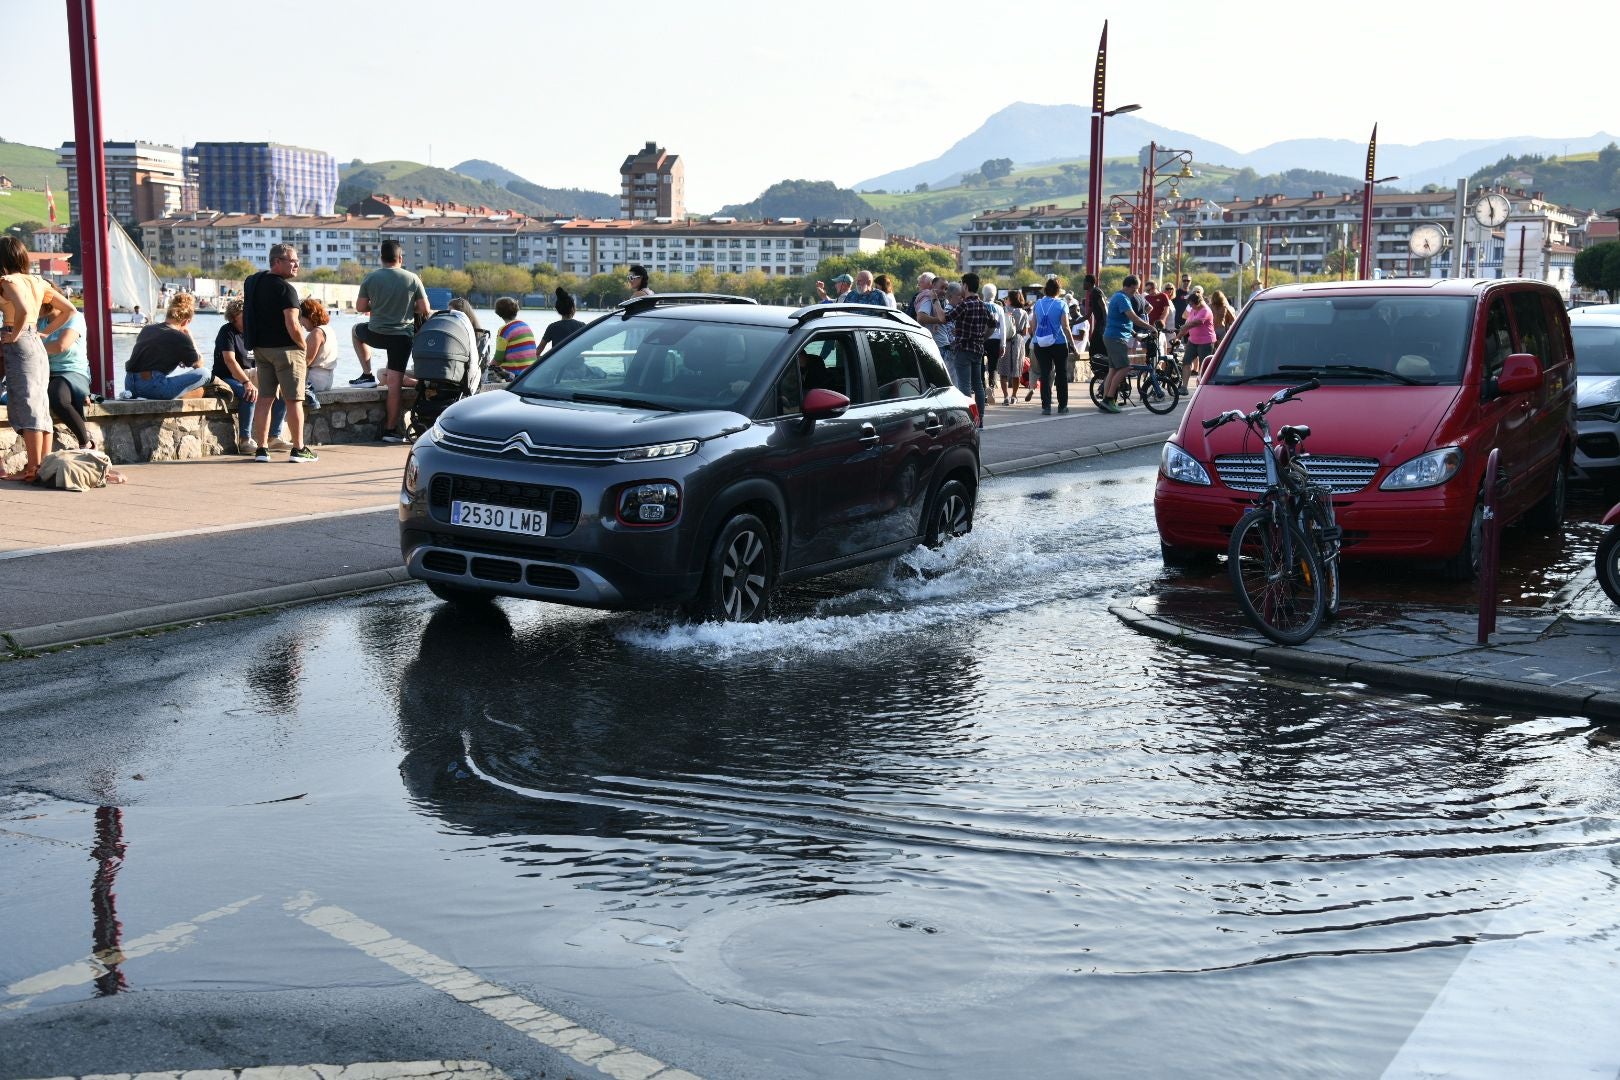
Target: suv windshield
column 1376, row 339
column 1597, row 349
column 654, row 363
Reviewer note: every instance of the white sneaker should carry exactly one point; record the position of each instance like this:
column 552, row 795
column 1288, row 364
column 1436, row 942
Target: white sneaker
column 245, row 445
column 278, row 443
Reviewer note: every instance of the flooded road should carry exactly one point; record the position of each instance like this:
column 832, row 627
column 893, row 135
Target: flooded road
column 945, row 819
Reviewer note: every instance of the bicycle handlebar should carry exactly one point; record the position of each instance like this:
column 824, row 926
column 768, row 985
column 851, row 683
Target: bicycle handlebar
column 1286, row 394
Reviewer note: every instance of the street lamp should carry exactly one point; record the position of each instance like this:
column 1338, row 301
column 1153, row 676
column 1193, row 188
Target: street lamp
column 1094, row 177
column 1160, row 157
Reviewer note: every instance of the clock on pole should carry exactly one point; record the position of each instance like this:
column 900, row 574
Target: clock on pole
column 1492, row 209
column 1426, row 240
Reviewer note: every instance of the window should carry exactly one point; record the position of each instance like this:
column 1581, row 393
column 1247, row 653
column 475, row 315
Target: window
column 1531, row 315
column 1498, row 339
column 894, row 365
column 789, row 395
column 825, row 363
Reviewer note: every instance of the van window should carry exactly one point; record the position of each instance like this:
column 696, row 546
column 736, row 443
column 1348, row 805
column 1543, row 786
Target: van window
column 1388, row 339
column 1498, row 338
column 1531, row 315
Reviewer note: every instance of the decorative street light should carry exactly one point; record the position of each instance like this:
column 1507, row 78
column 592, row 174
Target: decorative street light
column 1160, row 158
column 1094, row 175
column 1368, row 255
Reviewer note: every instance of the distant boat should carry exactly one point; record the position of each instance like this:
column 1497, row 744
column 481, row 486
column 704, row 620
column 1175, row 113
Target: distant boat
column 131, row 281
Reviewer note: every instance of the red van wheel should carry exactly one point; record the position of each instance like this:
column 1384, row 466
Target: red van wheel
column 1464, row 566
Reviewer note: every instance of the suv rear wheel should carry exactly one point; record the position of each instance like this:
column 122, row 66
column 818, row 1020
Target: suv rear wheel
column 741, row 573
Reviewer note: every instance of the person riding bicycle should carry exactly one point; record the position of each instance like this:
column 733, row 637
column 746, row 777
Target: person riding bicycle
column 1117, row 338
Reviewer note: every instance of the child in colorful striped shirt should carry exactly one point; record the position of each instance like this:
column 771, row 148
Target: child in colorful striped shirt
column 514, row 343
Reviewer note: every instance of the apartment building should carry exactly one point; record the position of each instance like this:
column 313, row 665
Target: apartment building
column 652, row 184
column 265, row 178
column 144, row 180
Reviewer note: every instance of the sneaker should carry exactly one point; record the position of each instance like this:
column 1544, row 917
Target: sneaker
column 1062, row 409
column 303, row 453
column 393, row 437
column 262, row 454
column 245, row 445
column 366, row 380
column 1046, row 412
column 311, row 402
column 278, row 443
column 1108, row 406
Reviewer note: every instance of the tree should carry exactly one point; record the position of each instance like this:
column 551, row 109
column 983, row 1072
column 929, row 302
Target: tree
column 1340, row 261
column 25, row 230
column 350, row 272
column 920, row 188
column 996, row 168
column 235, row 270
column 1598, row 267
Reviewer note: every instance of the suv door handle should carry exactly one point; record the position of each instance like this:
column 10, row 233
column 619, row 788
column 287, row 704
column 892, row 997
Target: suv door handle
column 868, row 433
column 931, row 423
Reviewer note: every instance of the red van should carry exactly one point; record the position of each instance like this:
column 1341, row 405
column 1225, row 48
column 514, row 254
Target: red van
column 1421, row 378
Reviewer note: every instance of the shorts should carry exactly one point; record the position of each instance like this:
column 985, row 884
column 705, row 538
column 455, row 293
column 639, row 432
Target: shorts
column 1197, row 352
column 280, row 367
column 397, row 346
column 1119, row 355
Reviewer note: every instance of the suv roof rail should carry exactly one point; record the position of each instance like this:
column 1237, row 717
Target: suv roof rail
column 816, row 311
column 637, row 304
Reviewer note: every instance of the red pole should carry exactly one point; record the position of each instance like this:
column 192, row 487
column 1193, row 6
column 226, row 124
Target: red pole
column 1367, row 207
column 92, row 185
column 1094, row 176
column 1488, row 556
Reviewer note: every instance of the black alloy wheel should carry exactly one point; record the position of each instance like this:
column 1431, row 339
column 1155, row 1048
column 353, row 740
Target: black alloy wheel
column 952, row 514
column 741, row 573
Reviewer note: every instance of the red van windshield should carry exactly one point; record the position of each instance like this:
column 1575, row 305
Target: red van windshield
column 1399, row 340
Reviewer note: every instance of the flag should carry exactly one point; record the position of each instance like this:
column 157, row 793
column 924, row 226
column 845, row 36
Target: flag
column 50, row 201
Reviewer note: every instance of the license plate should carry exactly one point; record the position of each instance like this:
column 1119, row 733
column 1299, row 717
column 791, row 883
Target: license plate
column 498, row 518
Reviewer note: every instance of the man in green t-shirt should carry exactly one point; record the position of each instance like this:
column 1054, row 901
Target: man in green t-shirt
column 391, row 295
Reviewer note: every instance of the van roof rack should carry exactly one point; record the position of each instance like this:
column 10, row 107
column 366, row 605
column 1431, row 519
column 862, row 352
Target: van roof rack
column 816, row 311
column 637, row 304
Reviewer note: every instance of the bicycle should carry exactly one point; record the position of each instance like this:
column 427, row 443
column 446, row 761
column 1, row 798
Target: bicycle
column 1283, row 557
column 1156, row 380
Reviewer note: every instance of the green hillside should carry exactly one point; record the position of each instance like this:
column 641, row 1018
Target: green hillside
column 413, row 180
column 1589, row 181
column 31, row 166
column 17, row 205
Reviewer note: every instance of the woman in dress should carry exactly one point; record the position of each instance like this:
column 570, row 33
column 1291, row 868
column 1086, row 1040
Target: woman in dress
column 28, row 368
column 1198, row 331
column 1012, row 358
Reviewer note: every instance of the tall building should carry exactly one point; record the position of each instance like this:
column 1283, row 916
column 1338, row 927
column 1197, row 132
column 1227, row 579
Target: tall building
column 144, row 180
column 265, row 178
column 652, row 184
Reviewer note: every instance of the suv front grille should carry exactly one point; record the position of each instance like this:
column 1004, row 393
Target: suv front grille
column 1340, row 475
column 560, row 503
column 518, row 446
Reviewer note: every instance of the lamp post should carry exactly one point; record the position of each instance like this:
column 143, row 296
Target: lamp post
column 1368, row 255
column 1161, row 157
column 1094, row 174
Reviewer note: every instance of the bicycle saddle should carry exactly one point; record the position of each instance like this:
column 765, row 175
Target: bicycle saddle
column 1294, row 434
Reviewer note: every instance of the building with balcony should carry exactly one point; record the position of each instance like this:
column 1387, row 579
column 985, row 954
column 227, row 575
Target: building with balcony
column 265, row 178
column 144, row 180
column 652, row 184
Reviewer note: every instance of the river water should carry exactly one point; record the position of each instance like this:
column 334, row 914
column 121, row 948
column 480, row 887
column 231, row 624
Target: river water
column 950, row 819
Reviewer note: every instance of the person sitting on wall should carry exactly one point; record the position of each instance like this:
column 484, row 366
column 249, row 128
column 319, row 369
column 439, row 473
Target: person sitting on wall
column 165, row 363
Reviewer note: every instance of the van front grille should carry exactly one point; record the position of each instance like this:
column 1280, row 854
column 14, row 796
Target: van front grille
column 1340, row 475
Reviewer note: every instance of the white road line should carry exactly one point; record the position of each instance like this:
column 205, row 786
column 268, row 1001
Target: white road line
column 206, row 530
column 360, row 1070
column 96, row 965
column 519, row 1013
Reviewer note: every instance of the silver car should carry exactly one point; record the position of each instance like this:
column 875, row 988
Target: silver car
column 1596, row 335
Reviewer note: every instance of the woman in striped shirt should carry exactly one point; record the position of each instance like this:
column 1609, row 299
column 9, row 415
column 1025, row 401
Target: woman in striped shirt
column 515, row 346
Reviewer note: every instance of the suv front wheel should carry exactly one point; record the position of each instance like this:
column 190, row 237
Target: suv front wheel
column 740, row 575
column 951, row 515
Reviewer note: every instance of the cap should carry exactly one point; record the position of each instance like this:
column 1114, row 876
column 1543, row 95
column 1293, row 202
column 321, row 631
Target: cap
column 845, row 278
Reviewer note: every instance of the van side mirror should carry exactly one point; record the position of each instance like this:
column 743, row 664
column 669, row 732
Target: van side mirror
column 822, row 404
column 1521, row 372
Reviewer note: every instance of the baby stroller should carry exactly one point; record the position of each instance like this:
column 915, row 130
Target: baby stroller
column 449, row 358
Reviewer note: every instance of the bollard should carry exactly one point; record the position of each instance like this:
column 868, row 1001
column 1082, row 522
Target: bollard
column 1487, row 556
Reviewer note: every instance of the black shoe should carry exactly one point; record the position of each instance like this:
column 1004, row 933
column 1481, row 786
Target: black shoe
column 1046, row 412
column 367, row 380
column 302, row 453
column 1062, row 409
column 262, row 454
column 393, row 438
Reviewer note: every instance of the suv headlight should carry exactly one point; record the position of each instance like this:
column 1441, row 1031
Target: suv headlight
column 412, row 474
column 1176, row 464
column 660, row 452
column 1425, row 470
column 654, row 503
column 432, row 434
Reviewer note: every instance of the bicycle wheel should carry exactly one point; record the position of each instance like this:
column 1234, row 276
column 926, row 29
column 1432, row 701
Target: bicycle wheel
column 1097, row 382
column 1280, row 593
column 1323, row 534
column 1158, row 392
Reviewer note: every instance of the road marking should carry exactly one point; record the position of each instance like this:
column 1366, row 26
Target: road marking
column 204, row 530
column 519, row 1013
column 94, row 966
column 360, row 1070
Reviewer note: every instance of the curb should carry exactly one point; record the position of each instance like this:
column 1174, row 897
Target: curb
column 1074, row 454
column 162, row 616
column 1563, row 701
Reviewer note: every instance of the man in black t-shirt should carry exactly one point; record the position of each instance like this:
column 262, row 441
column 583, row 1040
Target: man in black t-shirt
column 270, row 325
column 1096, row 317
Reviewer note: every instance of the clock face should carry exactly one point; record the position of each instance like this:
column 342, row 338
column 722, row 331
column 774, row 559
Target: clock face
column 1426, row 240
column 1492, row 210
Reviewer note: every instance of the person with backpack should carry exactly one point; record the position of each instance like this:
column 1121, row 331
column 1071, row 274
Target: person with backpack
column 1053, row 339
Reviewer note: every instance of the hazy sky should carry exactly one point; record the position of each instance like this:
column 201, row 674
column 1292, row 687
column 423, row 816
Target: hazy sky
column 751, row 93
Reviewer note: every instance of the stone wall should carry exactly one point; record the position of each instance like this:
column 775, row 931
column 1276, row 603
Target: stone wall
column 135, row 431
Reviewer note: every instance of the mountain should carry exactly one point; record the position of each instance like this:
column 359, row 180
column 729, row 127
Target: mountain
column 1589, row 180
column 802, row 198
column 1041, row 133
column 412, row 179
column 1439, row 161
column 574, row 202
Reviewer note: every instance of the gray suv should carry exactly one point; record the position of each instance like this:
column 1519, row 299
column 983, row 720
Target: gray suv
column 694, row 451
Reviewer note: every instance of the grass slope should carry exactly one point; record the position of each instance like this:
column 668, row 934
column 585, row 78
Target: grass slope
column 31, row 166
column 412, row 179
column 17, row 205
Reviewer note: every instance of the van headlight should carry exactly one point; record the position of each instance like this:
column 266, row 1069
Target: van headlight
column 660, row 452
column 1176, row 464
column 1425, row 470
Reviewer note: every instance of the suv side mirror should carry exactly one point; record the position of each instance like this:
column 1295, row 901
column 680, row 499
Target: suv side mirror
column 1521, row 372
column 822, row 404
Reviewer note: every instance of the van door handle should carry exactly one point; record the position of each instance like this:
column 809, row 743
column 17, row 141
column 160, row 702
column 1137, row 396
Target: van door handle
column 868, row 433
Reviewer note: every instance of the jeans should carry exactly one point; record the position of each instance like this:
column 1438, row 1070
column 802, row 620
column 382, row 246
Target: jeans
column 967, row 372
column 244, row 410
column 1053, row 361
column 166, row 387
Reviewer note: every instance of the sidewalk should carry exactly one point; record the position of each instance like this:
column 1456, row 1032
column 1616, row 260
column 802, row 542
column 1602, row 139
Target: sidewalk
column 1559, row 660
column 191, row 540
